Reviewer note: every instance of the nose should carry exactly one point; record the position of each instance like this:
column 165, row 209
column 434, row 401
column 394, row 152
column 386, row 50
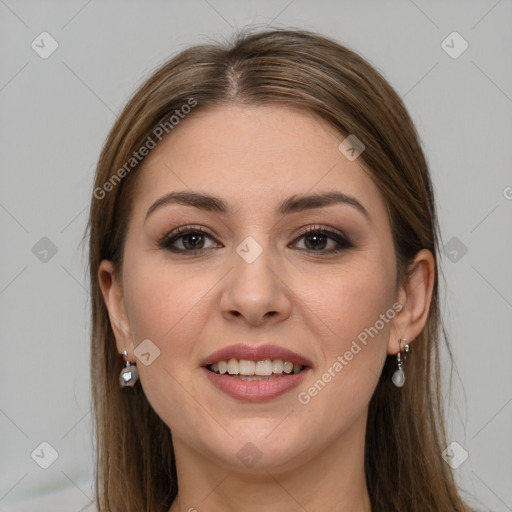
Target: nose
column 255, row 292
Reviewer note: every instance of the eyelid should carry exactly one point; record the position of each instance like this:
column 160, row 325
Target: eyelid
column 325, row 229
column 191, row 227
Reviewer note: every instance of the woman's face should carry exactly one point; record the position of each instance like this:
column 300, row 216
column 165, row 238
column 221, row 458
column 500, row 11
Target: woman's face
column 242, row 272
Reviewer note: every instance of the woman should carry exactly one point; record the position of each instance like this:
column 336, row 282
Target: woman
column 265, row 308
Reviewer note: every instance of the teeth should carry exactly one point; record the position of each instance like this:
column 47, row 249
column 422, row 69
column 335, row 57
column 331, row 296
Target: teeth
column 277, row 366
column 263, row 367
column 248, row 368
column 233, row 367
column 256, row 377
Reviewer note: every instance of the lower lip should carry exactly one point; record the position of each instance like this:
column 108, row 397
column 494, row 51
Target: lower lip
column 255, row 390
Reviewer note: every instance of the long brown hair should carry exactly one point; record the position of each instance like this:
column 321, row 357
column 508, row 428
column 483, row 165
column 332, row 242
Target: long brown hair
column 405, row 436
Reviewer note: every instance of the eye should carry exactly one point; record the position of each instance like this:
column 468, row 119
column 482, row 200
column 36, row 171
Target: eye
column 316, row 239
column 191, row 240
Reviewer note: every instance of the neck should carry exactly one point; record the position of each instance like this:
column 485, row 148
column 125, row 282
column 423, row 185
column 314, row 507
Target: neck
column 333, row 480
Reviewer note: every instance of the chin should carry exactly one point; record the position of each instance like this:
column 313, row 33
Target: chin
column 258, row 445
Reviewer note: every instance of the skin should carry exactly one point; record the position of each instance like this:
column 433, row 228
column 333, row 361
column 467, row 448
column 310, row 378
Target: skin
column 192, row 305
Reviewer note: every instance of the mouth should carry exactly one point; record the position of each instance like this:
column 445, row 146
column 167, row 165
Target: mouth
column 255, row 373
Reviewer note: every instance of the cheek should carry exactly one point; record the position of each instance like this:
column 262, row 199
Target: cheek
column 354, row 309
column 168, row 305
column 171, row 305
column 352, row 298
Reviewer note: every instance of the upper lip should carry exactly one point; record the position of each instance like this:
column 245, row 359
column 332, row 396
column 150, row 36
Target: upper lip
column 255, row 353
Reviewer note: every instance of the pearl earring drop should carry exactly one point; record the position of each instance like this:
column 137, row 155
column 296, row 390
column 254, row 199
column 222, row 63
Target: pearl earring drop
column 398, row 378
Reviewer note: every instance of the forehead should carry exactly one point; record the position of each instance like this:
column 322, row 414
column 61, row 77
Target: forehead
column 254, row 157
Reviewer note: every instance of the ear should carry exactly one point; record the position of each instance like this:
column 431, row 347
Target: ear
column 415, row 298
column 111, row 288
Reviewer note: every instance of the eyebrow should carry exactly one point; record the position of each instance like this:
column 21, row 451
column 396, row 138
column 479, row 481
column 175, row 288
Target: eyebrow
column 292, row 204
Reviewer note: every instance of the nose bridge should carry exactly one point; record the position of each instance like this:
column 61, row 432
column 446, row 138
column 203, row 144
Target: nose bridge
column 253, row 288
column 252, row 261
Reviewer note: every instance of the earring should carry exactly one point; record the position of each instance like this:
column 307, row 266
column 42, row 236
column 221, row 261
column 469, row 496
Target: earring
column 129, row 374
column 399, row 375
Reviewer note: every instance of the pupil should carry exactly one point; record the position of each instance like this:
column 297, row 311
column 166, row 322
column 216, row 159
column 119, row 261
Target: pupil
column 193, row 236
column 320, row 240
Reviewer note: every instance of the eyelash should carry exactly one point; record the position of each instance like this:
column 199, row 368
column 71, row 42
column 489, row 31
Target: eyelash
column 168, row 240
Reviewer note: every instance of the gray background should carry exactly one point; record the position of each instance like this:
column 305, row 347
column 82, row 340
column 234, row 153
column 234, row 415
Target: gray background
column 55, row 115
